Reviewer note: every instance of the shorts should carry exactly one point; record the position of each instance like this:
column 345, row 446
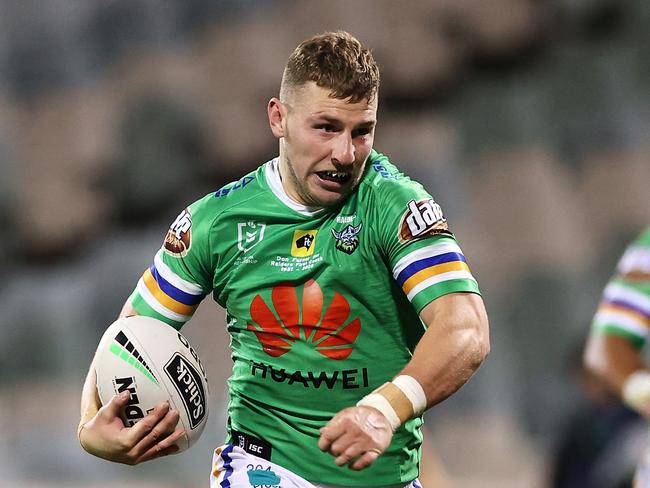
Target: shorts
column 232, row 467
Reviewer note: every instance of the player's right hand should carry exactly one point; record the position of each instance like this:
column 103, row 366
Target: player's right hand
column 105, row 435
column 356, row 436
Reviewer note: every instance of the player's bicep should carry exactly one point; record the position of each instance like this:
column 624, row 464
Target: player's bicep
column 455, row 318
column 425, row 259
column 454, row 311
column 180, row 276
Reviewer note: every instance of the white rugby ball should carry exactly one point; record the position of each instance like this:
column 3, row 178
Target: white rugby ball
column 154, row 362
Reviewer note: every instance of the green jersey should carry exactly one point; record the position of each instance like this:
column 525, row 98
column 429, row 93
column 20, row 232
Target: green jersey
column 322, row 304
column 625, row 306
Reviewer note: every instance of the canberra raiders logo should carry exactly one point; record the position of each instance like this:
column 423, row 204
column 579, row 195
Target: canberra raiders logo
column 347, row 240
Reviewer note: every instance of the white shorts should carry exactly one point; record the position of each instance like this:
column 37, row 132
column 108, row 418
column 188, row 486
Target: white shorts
column 232, row 467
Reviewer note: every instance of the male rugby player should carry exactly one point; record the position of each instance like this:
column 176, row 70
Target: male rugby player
column 350, row 305
column 619, row 331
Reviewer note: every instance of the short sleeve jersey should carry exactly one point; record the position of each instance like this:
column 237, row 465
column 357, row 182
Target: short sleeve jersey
column 624, row 309
column 322, row 304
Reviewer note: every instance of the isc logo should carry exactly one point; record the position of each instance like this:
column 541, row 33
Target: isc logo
column 421, row 218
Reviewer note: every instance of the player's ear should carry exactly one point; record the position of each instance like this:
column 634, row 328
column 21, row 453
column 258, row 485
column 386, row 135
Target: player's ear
column 277, row 113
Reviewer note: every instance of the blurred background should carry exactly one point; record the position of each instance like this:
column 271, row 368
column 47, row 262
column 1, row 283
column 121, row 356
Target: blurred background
column 528, row 120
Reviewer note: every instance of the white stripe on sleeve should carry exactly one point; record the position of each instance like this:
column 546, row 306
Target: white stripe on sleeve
column 450, row 275
column 166, row 272
column 425, row 252
column 622, row 321
column 157, row 306
column 615, row 291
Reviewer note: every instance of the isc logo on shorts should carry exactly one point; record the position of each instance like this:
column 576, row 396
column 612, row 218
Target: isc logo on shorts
column 422, row 218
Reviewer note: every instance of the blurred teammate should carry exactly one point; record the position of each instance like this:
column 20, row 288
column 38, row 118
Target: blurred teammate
column 620, row 330
column 329, row 262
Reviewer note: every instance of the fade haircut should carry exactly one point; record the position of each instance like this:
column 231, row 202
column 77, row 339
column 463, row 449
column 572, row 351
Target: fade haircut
column 336, row 61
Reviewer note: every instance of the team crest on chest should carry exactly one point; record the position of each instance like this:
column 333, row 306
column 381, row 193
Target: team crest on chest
column 249, row 235
column 347, row 240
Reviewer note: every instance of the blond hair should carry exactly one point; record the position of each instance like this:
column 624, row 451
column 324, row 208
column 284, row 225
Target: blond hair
column 336, row 61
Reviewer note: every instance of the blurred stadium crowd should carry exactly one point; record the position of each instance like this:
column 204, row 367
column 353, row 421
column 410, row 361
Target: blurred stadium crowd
column 527, row 120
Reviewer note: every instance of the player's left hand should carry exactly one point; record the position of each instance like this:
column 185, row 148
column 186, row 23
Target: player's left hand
column 356, row 436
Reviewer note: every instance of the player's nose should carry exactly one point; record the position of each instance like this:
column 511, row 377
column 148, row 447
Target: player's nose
column 343, row 149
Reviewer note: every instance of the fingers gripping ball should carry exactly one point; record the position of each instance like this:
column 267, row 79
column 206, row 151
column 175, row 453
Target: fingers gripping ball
column 153, row 362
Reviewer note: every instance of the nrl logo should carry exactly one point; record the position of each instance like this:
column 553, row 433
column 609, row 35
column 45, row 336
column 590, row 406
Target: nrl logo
column 347, row 240
column 249, row 235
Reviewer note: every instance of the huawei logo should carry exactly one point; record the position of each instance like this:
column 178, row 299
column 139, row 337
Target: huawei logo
column 294, row 319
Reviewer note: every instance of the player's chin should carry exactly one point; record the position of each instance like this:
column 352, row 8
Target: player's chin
column 330, row 198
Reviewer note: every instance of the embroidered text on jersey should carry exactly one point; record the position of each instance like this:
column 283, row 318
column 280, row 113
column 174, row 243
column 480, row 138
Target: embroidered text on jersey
column 235, row 186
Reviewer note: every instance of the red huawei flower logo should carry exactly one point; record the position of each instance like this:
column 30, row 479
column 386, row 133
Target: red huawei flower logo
column 331, row 336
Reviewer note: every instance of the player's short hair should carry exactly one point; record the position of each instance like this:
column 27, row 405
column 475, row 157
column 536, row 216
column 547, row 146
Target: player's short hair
column 336, row 61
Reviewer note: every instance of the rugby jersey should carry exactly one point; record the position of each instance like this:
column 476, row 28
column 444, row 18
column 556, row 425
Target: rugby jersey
column 625, row 305
column 322, row 304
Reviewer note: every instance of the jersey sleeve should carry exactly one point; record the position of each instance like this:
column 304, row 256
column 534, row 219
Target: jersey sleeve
column 181, row 274
column 624, row 308
column 425, row 259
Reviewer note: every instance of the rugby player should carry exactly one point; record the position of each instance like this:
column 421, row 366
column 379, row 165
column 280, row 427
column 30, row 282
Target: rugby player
column 350, row 305
column 620, row 330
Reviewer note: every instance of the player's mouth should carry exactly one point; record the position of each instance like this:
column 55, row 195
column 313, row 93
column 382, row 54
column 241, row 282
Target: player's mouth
column 334, row 179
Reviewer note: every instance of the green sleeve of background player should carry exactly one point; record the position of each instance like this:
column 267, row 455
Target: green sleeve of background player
column 624, row 308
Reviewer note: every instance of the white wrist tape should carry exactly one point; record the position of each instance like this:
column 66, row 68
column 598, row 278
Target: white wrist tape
column 399, row 400
column 413, row 391
column 382, row 404
column 636, row 390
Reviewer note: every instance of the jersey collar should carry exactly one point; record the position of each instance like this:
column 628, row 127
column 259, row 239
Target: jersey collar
column 275, row 183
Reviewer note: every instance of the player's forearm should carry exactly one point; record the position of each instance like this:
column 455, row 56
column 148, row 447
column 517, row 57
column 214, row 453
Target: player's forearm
column 454, row 346
column 450, row 352
column 128, row 310
column 613, row 359
column 90, row 402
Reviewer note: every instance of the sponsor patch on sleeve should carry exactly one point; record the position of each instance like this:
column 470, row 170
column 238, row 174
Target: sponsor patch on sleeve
column 422, row 218
column 179, row 237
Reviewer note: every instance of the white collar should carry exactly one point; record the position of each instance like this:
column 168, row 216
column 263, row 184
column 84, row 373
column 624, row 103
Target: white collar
column 275, row 183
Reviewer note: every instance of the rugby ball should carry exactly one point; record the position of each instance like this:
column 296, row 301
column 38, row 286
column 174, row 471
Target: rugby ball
column 154, row 362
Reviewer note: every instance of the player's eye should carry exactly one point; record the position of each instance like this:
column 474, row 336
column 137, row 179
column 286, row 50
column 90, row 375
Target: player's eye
column 326, row 127
column 363, row 131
